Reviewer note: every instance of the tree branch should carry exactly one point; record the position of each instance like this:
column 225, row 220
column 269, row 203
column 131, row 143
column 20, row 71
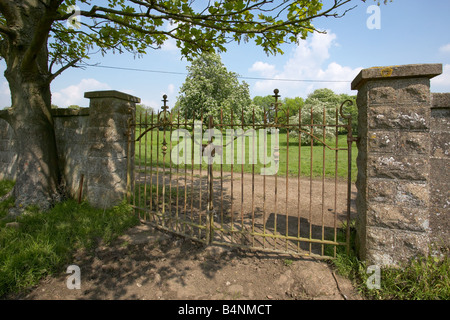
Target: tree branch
column 6, row 9
column 9, row 15
column 63, row 68
column 41, row 34
column 5, row 114
column 7, row 31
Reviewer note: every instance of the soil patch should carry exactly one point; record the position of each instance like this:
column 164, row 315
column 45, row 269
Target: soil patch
column 148, row 264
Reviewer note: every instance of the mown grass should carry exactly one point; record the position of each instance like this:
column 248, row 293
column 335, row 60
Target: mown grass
column 43, row 242
column 314, row 161
column 423, row 278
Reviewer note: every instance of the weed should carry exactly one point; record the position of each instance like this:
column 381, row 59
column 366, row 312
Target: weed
column 288, row 262
column 424, row 278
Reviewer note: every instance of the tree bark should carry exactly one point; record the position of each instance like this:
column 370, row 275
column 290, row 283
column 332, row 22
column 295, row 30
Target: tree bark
column 28, row 75
column 38, row 173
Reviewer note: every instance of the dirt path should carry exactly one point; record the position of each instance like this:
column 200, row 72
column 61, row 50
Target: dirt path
column 148, row 264
column 286, row 207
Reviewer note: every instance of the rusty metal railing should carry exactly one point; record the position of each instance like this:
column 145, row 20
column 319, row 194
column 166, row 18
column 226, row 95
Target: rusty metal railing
column 291, row 211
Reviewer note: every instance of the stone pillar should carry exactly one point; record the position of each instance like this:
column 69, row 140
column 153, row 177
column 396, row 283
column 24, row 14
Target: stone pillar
column 393, row 162
column 110, row 113
column 440, row 172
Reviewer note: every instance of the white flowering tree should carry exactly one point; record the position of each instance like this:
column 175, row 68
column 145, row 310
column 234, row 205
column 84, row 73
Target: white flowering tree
column 211, row 90
column 320, row 108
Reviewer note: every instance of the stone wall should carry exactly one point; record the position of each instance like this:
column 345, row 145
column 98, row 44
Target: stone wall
column 440, row 170
column 71, row 131
column 395, row 189
column 91, row 142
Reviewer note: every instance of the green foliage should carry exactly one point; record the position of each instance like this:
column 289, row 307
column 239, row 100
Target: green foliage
column 5, row 187
column 142, row 111
column 288, row 107
column 315, row 112
column 423, row 278
column 211, row 90
column 206, row 26
column 266, row 105
column 44, row 242
column 322, row 107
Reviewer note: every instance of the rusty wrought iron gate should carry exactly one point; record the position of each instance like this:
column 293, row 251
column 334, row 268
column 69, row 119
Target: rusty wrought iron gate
column 293, row 195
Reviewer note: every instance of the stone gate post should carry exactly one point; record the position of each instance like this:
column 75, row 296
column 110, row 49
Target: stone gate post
column 393, row 201
column 110, row 113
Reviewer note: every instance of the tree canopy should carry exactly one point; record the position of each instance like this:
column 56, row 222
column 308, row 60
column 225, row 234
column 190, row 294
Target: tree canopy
column 211, row 90
column 320, row 108
column 136, row 25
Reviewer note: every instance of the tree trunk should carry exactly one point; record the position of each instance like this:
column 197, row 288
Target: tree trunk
column 38, row 173
column 28, row 75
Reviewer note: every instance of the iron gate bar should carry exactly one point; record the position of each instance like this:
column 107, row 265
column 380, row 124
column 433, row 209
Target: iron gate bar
column 323, row 181
column 264, row 178
column 298, row 175
column 287, row 179
column 200, row 185
column 253, row 181
column 171, row 217
column 276, row 154
column 335, row 181
column 310, row 181
column 350, row 140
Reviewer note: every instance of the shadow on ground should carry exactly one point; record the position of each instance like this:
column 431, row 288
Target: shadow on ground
column 148, row 264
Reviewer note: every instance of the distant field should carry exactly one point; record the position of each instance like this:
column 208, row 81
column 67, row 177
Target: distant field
column 323, row 158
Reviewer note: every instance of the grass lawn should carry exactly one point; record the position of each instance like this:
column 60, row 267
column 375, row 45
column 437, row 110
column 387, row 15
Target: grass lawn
column 42, row 243
column 148, row 152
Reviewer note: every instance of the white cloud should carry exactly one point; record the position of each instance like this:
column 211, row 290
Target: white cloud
column 445, row 49
column 441, row 83
column 170, row 45
column 74, row 94
column 170, row 89
column 308, row 61
column 265, row 69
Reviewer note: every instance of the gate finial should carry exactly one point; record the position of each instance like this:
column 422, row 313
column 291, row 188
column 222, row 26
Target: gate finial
column 164, row 107
column 276, row 95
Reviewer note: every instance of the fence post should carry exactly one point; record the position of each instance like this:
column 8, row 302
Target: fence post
column 109, row 132
column 393, row 162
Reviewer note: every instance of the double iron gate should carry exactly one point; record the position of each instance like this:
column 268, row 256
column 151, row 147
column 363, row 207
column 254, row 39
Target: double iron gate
column 266, row 182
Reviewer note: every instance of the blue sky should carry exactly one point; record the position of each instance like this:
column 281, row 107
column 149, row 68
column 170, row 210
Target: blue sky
column 411, row 31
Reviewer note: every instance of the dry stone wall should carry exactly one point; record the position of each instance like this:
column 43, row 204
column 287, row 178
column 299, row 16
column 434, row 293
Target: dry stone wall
column 92, row 144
